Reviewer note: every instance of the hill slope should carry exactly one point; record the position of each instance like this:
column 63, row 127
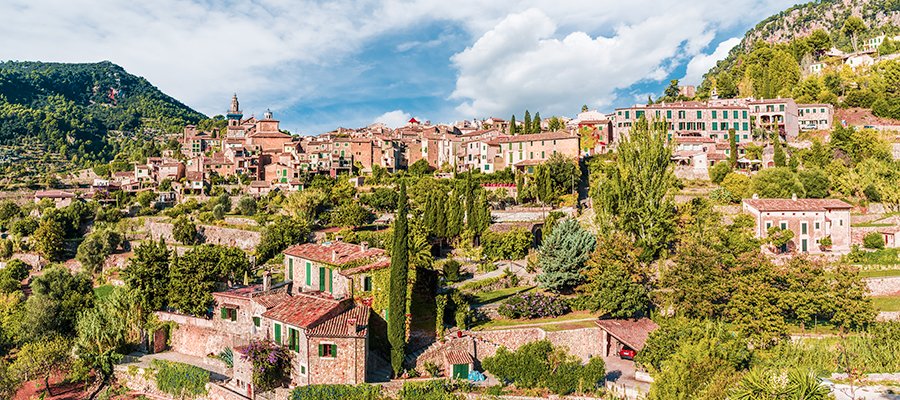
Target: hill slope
column 69, row 109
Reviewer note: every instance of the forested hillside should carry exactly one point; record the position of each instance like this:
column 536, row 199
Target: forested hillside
column 67, row 110
column 775, row 58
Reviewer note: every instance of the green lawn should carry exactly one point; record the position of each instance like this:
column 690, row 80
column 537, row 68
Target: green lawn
column 877, row 257
column 551, row 323
column 103, row 291
column 879, row 273
column 886, row 303
column 500, row 294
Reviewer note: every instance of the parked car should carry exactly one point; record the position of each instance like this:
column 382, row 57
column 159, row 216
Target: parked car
column 626, row 354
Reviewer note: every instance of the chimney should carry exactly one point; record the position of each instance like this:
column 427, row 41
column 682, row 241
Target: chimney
column 351, row 326
column 334, row 255
column 794, row 197
column 363, row 246
column 267, row 281
column 755, row 195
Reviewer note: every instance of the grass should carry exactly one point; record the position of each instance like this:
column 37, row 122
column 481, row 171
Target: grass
column 556, row 323
column 879, row 273
column 886, row 303
column 499, row 294
column 102, row 291
column 876, row 257
column 871, row 225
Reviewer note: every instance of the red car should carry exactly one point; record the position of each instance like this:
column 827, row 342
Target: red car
column 626, row 354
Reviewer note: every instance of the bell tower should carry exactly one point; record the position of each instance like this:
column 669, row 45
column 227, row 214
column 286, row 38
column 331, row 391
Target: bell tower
column 234, row 113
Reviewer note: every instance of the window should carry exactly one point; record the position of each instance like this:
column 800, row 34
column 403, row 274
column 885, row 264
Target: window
column 668, row 114
column 714, row 114
column 367, row 283
column 715, row 125
column 229, row 313
column 681, row 114
column 724, row 114
column 328, row 350
column 256, row 322
column 293, row 339
column 627, row 115
column 699, row 114
column 781, row 107
column 746, row 126
column 745, row 114
column 321, row 279
column 302, row 370
column 803, row 228
column 817, row 225
column 783, row 225
column 638, row 114
column 290, row 268
column 768, row 225
column 308, row 273
column 278, row 333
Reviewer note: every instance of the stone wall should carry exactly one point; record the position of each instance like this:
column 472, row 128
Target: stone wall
column 143, row 381
column 242, row 239
column 197, row 336
column 884, row 286
column 583, row 343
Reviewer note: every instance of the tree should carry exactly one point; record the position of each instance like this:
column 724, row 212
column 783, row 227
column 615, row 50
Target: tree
column 421, row 168
column 672, row 91
column 853, row 26
column 526, row 124
column 636, row 193
column 512, row 125
column 719, row 171
column 148, row 274
column 738, row 185
column 563, row 254
column 185, row 231
column 50, row 239
column 537, row 123
column 512, row 245
column 43, row 358
column 398, row 285
column 778, row 237
column 732, row 148
column 92, row 252
column 555, row 124
column 455, row 223
column 350, row 214
column 815, row 183
column 779, row 182
column 9, row 210
column 247, row 206
column 779, row 158
column 584, row 108
column 12, row 274
column 760, row 383
column 194, row 276
column 873, row 240
column 58, row 297
column 280, row 233
column 615, row 293
column 820, row 41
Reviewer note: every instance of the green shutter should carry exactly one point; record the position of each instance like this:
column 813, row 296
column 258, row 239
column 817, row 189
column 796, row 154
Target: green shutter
column 308, row 273
column 290, row 268
column 330, row 278
column 334, row 350
column 278, row 333
column 321, row 350
column 233, row 313
column 224, row 313
column 256, row 322
column 321, row 279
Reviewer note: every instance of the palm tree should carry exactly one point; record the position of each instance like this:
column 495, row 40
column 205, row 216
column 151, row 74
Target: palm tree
column 420, row 251
column 794, row 384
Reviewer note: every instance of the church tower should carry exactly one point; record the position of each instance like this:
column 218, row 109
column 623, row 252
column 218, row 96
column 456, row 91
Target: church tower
column 234, row 113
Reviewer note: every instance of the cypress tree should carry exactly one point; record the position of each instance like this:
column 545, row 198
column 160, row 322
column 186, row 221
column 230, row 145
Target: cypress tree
column 512, row 125
column 397, row 294
column 779, row 156
column 440, row 216
column 454, row 215
column 470, row 202
column 537, row 123
column 526, row 128
column 732, row 144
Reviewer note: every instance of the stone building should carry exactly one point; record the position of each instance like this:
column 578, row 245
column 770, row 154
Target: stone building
column 337, row 269
column 811, row 220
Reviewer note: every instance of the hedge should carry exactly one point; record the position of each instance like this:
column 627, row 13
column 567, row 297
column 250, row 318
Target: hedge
column 342, row 392
column 179, row 379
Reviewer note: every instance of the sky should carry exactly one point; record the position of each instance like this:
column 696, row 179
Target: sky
column 320, row 65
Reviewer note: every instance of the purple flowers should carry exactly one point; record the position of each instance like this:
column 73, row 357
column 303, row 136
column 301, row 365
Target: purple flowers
column 533, row 305
column 271, row 363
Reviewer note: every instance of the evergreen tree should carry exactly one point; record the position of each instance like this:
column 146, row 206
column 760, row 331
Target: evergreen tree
column 733, row 148
column 584, row 108
column 454, row 215
column 526, row 125
column 779, row 157
column 148, row 274
column 470, row 201
column 397, row 294
column 512, row 125
column 563, row 255
column 537, row 123
column 440, row 218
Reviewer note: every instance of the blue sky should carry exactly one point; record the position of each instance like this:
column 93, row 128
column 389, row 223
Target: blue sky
column 322, row 65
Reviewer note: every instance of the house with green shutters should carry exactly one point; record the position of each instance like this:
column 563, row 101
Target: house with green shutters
column 328, row 340
column 336, row 269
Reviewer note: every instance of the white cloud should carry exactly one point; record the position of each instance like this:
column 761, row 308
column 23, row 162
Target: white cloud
column 701, row 63
column 393, row 119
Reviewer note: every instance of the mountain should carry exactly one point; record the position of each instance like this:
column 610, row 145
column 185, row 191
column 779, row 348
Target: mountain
column 70, row 109
column 792, row 31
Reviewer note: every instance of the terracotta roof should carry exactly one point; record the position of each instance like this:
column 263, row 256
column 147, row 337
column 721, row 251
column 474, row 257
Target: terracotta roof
column 536, row 136
column 194, row 176
column 455, row 357
column 891, row 230
column 275, row 135
column 306, row 311
column 53, row 194
column 334, row 253
column 525, row 163
column 342, row 325
column 694, row 139
column 796, row 205
column 271, row 300
column 631, row 332
column 259, row 184
column 381, row 264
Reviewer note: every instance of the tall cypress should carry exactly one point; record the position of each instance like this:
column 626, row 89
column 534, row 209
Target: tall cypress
column 733, row 148
column 526, row 128
column 454, row 215
column 779, row 157
column 536, row 128
column 512, row 125
column 397, row 295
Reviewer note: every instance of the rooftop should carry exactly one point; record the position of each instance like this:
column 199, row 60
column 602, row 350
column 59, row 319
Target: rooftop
column 796, row 205
column 632, row 332
column 333, row 253
column 306, row 311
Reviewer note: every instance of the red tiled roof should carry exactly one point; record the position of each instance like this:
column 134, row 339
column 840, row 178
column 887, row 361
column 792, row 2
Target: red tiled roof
column 259, row 184
column 525, row 163
column 694, row 139
column 271, row 300
column 53, row 194
column 455, row 357
column 366, row 268
column 632, row 332
column 334, row 253
column 536, row 136
column 306, row 311
column 340, row 326
column 796, row 205
column 194, row 176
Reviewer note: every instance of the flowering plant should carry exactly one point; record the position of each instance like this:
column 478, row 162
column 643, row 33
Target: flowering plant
column 533, row 305
column 271, row 364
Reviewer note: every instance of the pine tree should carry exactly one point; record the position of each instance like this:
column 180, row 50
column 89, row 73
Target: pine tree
column 512, row 125
column 779, row 156
column 537, row 123
column 397, row 294
column 526, row 128
column 732, row 144
column 584, row 108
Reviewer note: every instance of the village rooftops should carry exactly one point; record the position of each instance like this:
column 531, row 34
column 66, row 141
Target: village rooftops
column 333, row 253
column 306, row 310
column 632, row 332
column 352, row 323
column 796, row 204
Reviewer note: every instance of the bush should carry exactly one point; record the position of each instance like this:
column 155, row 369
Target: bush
column 718, row 172
column 451, row 270
column 431, row 390
column 343, row 392
column 180, row 380
column 184, row 231
column 540, row 365
column 247, row 206
column 533, row 305
column 512, row 245
column 873, row 240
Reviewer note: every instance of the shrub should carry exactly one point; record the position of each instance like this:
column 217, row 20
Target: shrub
column 540, row 365
column 247, row 206
column 432, row 369
column 270, row 364
column 343, row 392
column 512, row 245
column 873, row 240
column 431, row 390
column 451, row 270
column 533, row 305
column 179, row 379
column 718, row 172
column 184, row 231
